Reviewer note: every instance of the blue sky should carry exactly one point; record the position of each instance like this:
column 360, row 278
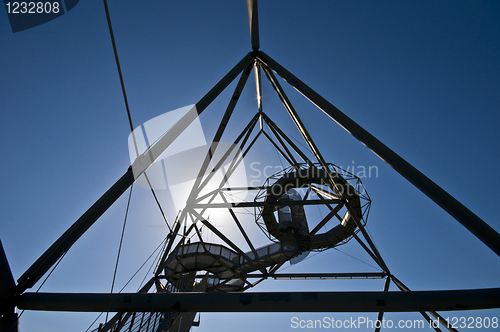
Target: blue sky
column 423, row 77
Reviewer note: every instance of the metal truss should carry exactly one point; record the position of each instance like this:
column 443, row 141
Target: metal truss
column 195, row 275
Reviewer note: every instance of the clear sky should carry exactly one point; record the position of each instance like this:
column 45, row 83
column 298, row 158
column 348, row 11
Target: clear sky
column 422, row 76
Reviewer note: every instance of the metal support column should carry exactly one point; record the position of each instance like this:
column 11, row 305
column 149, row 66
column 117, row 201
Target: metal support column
column 253, row 21
column 9, row 319
column 7, row 284
column 9, row 322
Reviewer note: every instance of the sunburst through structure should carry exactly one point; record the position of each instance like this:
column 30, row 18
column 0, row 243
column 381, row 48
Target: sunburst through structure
column 231, row 235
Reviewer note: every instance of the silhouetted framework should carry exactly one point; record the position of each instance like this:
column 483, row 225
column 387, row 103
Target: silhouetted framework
column 195, row 275
column 267, row 302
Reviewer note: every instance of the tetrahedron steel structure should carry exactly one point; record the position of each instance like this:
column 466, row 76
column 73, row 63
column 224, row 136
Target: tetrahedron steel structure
column 203, row 269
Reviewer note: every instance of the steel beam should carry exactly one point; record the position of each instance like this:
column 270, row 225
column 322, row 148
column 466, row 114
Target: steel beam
column 267, row 203
column 9, row 319
column 324, row 276
column 448, row 300
column 253, row 21
column 317, row 276
column 457, row 210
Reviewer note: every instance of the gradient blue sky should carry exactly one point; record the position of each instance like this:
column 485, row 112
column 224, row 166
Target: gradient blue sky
column 422, row 76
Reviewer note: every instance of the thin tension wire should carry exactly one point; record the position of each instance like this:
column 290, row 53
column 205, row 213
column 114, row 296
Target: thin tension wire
column 115, row 51
column 119, row 71
column 43, row 282
column 163, row 242
column 120, row 246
